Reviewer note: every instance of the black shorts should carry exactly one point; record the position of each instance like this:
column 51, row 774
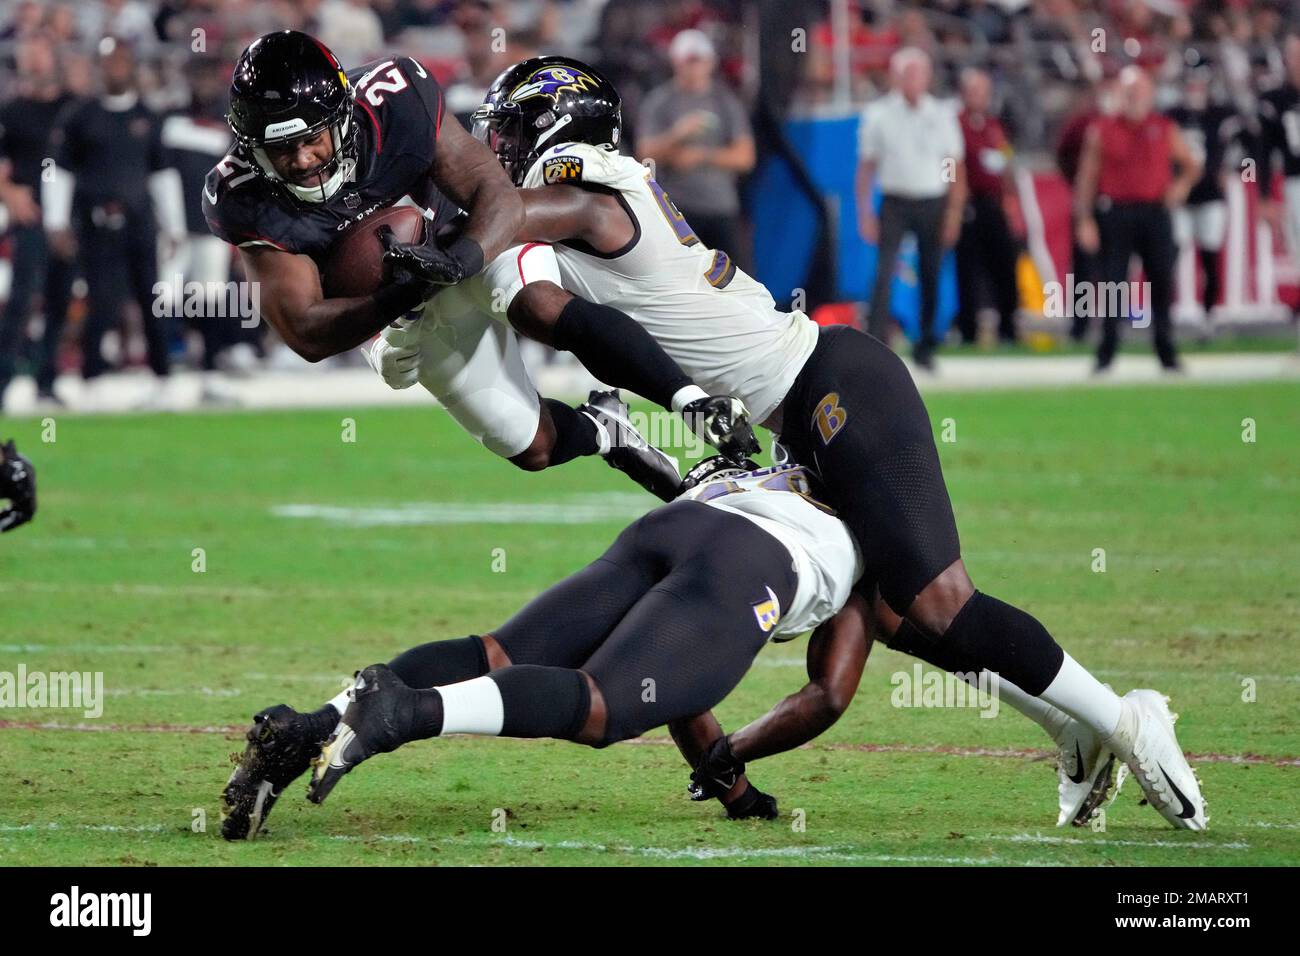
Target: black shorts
column 667, row 621
column 854, row 416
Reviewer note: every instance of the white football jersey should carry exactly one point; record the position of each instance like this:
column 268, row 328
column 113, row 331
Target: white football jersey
column 721, row 326
column 827, row 561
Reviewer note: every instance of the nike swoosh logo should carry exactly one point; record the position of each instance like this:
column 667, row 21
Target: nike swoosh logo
column 1077, row 776
column 1188, row 811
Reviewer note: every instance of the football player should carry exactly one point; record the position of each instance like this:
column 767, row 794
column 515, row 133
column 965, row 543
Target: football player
column 679, row 605
column 17, row 486
column 747, row 554
column 320, row 149
column 841, row 401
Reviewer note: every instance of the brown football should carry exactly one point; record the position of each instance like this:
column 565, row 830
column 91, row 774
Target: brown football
column 354, row 265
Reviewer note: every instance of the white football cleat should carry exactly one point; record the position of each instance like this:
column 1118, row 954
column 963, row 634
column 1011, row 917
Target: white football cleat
column 1145, row 741
column 1084, row 774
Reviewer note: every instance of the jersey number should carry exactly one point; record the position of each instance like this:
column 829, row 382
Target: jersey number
column 722, row 269
column 392, row 82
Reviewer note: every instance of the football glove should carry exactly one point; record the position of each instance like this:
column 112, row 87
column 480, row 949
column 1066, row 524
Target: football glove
column 18, row 484
column 427, row 261
column 395, row 354
column 723, row 422
column 716, row 772
column 753, row 804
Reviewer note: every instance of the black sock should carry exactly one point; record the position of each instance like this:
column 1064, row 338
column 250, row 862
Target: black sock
column 1007, row 641
column 441, row 662
column 1210, row 266
column 428, row 714
column 575, row 433
column 322, row 722
column 618, row 351
column 541, row 701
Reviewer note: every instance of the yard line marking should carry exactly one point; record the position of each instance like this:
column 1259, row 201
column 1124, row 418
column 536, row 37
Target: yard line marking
column 839, row 853
column 946, row 750
column 588, row 509
column 1103, row 841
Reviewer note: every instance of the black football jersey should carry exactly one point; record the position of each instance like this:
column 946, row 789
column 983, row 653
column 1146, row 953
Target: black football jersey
column 26, row 126
column 399, row 113
column 1279, row 122
column 111, row 152
column 1208, row 133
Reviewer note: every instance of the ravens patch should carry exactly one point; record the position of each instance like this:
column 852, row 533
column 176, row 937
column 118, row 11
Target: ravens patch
column 562, row 169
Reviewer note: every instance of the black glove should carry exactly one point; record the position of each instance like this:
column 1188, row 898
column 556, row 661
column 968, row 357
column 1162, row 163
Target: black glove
column 753, row 804
column 435, row 264
column 723, row 422
column 18, row 484
column 716, row 772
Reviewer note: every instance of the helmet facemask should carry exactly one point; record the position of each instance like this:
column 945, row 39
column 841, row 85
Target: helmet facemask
column 330, row 177
column 501, row 129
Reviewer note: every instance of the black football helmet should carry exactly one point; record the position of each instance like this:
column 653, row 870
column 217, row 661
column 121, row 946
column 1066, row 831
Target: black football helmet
column 543, row 101
column 287, row 86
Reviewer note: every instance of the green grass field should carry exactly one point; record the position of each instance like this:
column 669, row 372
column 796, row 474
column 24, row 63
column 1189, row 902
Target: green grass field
column 394, row 543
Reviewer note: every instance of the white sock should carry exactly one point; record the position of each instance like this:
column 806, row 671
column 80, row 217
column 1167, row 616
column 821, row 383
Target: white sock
column 1051, row 719
column 685, row 395
column 472, row 707
column 1085, row 698
column 340, row 702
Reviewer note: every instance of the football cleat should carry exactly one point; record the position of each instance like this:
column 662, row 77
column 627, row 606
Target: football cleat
column 1084, row 774
column 723, row 422
column 379, row 720
column 627, row 450
column 1146, row 743
column 281, row 745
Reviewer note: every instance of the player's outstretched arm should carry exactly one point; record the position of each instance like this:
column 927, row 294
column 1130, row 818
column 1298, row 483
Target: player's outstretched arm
column 291, row 299
column 837, row 653
column 470, row 174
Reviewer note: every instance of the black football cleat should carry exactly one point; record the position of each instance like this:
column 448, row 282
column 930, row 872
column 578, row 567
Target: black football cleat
column 380, row 719
column 629, row 452
column 281, row 745
column 723, row 422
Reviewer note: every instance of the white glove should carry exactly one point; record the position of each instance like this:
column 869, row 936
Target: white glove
column 395, row 354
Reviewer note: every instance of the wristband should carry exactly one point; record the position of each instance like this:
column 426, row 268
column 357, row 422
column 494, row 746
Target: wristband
column 398, row 298
column 468, row 253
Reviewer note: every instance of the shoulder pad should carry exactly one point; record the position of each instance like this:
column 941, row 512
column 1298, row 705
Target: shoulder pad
column 573, row 163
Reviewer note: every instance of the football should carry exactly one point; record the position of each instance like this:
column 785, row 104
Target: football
column 355, row 264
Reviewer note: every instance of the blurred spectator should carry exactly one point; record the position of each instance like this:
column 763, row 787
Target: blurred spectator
column 697, row 133
column 26, row 123
column 1123, row 195
column 351, row 29
column 111, row 179
column 1279, row 116
column 986, row 249
column 1202, row 224
column 196, row 139
column 1084, row 264
column 911, row 145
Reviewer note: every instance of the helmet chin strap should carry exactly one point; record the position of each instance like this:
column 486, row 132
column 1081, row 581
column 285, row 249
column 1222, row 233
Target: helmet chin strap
column 344, row 170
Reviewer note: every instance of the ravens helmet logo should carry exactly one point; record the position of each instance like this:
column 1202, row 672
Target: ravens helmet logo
column 552, row 81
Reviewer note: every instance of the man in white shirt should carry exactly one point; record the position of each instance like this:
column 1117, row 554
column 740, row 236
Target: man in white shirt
column 912, row 145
